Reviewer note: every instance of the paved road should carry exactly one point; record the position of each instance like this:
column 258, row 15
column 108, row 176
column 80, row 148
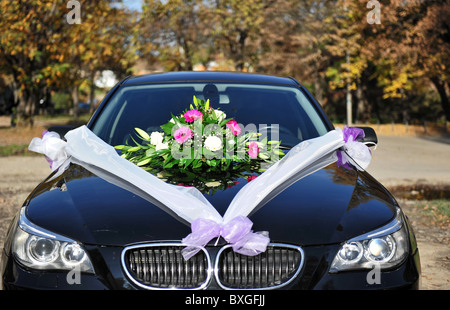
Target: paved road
column 411, row 160
column 396, row 161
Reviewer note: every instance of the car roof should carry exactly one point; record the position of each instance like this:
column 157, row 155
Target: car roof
column 209, row 76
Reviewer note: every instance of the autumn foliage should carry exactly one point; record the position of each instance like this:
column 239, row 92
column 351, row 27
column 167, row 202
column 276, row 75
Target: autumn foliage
column 389, row 56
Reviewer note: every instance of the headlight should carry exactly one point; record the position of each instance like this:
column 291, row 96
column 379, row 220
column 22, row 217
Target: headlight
column 386, row 246
column 38, row 248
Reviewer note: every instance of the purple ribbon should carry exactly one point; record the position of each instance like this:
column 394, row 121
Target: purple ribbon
column 237, row 232
column 356, row 134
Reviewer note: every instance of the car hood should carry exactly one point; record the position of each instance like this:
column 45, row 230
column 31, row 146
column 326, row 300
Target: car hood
column 329, row 206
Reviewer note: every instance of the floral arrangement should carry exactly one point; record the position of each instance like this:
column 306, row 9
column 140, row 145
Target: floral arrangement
column 198, row 144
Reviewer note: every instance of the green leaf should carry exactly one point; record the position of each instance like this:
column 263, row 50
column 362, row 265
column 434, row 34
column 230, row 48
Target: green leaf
column 188, row 162
column 169, row 165
column 177, row 122
column 197, row 163
column 149, row 152
column 222, row 123
column 168, row 159
column 167, row 128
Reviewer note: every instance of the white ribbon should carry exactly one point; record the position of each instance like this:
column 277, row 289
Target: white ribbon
column 52, row 147
column 88, row 150
column 355, row 153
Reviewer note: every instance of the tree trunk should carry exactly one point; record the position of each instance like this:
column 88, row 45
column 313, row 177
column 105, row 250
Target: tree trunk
column 92, row 94
column 26, row 109
column 240, row 57
column 75, row 100
column 318, row 89
column 440, row 87
column 360, row 104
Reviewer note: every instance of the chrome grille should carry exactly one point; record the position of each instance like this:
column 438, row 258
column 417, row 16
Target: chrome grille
column 163, row 267
column 274, row 268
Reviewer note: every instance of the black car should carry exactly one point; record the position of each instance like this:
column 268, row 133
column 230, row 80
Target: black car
column 336, row 228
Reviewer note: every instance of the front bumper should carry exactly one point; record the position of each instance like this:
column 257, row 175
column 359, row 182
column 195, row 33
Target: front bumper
column 110, row 275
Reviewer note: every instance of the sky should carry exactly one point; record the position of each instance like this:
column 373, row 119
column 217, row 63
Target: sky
column 133, row 4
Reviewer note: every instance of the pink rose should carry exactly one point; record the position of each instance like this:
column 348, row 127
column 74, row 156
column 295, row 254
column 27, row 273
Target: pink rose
column 253, row 149
column 234, row 127
column 193, row 115
column 182, row 134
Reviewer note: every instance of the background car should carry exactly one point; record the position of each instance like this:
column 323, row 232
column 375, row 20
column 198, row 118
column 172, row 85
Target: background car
column 337, row 228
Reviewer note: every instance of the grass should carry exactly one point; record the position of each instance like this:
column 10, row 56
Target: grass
column 15, row 150
column 438, row 208
column 433, row 212
column 15, row 141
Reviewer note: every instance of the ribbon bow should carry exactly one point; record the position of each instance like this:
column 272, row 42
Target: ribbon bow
column 52, row 147
column 237, row 232
column 85, row 148
column 355, row 153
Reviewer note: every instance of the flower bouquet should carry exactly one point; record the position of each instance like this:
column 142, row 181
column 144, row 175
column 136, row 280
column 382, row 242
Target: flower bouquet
column 198, row 143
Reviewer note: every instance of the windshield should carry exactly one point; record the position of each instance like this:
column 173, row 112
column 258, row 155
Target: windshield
column 281, row 112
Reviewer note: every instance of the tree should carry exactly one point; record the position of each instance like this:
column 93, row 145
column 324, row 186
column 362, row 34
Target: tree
column 348, row 68
column 237, row 29
column 101, row 41
column 30, row 32
column 433, row 46
column 294, row 40
column 411, row 45
column 43, row 51
column 172, row 32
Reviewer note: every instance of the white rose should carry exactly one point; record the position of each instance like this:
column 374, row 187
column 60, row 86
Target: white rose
column 156, row 138
column 213, row 143
column 162, row 146
column 220, row 115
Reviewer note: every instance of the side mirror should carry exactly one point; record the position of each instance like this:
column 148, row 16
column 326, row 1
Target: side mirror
column 370, row 136
column 61, row 129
